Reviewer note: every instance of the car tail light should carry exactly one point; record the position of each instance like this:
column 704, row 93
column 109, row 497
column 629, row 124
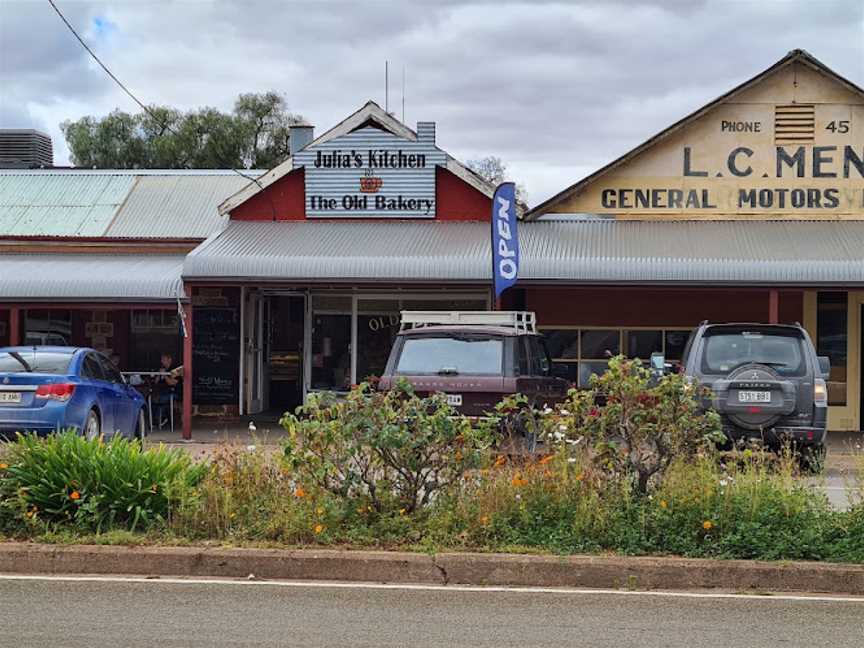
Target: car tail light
column 55, row 391
column 820, row 392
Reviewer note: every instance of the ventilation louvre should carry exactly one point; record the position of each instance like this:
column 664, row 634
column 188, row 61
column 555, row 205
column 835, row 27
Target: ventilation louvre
column 794, row 124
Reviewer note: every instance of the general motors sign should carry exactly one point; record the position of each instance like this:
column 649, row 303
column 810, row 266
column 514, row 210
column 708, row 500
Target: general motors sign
column 371, row 173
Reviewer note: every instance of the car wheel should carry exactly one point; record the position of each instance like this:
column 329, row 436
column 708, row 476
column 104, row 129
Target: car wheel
column 140, row 429
column 811, row 459
column 92, row 426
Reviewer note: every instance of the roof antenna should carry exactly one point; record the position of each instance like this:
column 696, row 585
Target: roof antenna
column 387, row 86
column 403, row 94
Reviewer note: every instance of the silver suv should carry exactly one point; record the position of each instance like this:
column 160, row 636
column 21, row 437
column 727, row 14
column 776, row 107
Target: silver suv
column 766, row 381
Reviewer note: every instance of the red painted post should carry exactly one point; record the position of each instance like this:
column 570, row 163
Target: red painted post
column 14, row 326
column 187, row 373
column 773, row 306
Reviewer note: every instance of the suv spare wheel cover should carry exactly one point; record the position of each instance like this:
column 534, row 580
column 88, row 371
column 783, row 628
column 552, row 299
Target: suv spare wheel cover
column 762, row 416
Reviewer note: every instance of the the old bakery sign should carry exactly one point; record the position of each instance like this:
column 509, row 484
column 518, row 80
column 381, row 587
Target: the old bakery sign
column 372, row 173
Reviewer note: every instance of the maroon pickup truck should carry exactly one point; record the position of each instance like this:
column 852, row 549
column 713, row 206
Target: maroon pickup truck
column 476, row 358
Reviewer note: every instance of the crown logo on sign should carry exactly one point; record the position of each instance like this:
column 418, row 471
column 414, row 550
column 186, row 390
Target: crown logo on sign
column 370, row 183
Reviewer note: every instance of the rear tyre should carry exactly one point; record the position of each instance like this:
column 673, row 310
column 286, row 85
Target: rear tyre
column 92, row 426
column 140, row 427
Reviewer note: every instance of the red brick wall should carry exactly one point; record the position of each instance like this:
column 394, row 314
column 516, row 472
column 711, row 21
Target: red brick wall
column 286, row 197
column 657, row 307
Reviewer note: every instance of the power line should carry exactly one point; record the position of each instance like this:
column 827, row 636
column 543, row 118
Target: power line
column 144, row 107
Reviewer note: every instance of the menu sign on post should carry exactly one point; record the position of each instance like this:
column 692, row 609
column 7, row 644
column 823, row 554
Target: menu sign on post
column 371, row 173
column 216, row 356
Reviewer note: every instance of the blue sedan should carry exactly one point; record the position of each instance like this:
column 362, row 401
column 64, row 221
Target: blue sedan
column 45, row 389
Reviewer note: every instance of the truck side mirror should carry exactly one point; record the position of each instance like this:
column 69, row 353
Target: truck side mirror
column 825, row 366
column 658, row 362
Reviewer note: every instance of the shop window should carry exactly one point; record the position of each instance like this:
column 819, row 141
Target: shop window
column 578, row 354
column 48, row 327
column 152, row 333
column 674, row 344
column 832, row 341
column 331, row 343
column 641, row 344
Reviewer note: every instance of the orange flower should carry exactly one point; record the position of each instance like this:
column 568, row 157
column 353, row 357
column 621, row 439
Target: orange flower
column 299, row 492
column 663, row 504
column 3, row 466
column 501, row 460
column 30, row 514
column 545, row 460
column 74, row 495
column 484, row 520
column 318, row 529
column 518, row 481
column 580, row 477
column 707, row 525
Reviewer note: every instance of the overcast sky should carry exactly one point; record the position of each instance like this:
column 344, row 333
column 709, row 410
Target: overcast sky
column 555, row 89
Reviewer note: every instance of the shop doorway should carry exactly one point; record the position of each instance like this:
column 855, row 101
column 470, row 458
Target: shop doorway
column 274, row 353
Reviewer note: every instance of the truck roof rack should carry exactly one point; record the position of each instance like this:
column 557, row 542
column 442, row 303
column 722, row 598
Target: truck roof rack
column 519, row 320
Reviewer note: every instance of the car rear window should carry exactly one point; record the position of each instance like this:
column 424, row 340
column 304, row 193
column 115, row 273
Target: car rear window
column 47, row 362
column 472, row 355
column 727, row 350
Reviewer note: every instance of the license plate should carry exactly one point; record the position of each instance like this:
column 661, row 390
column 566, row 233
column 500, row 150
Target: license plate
column 754, row 397
column 454, row 399
column 10, row 397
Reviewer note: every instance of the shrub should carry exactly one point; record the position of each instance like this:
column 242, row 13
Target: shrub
column 91, row 484
column 392, row 448
column 634, row 425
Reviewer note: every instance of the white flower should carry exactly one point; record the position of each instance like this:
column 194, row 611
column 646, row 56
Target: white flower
column 548, row 410
column 518, row 496
column 250, row 448
column 562, row 427
column 565, row 412
column 571, row 460
column 252, row 427
column 723, row 483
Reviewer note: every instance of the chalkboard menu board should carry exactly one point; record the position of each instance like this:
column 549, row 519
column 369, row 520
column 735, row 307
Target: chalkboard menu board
column 215, row 355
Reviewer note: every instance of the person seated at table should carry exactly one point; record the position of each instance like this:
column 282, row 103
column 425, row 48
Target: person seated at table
column 164, row 388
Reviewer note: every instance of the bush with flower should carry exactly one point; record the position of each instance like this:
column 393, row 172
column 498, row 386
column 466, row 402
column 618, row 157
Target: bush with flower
column 394, row 449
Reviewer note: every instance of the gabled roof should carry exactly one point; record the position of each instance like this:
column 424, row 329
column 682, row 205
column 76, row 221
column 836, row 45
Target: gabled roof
column 369, row 113
column 795, row 56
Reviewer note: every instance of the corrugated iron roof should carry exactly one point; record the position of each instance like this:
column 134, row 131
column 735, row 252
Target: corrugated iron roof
column 115, row 203
column 174, row 206
column 91, row 277
column 59, row 205
column 602, row 251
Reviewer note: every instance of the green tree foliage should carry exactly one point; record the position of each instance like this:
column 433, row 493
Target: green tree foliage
column 253, row 136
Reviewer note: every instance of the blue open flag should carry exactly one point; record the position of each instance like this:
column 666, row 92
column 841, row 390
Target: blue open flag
column 505, row 238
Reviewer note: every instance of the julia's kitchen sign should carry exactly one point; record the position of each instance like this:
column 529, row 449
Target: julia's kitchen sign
column 372, row 173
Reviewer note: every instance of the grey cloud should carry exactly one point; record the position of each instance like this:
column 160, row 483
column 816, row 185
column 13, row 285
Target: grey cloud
column 549, row 87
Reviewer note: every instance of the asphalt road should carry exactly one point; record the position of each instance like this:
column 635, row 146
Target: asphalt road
column 156, row 613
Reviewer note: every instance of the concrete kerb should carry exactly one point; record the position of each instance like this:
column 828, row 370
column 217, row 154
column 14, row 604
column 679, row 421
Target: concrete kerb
column 600, row 572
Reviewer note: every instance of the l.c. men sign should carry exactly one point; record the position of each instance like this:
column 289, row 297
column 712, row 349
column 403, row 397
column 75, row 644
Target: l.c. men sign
column 790, row 146
column 371, row 173
column 808, row 176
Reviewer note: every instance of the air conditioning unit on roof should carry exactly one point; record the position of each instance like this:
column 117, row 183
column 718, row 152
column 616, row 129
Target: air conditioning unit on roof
column 519, row 320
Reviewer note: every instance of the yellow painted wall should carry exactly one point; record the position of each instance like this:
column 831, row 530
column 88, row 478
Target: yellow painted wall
column 659, row 176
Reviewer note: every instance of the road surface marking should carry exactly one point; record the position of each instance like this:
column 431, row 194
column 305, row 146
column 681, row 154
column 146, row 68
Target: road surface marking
column 426, row 588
